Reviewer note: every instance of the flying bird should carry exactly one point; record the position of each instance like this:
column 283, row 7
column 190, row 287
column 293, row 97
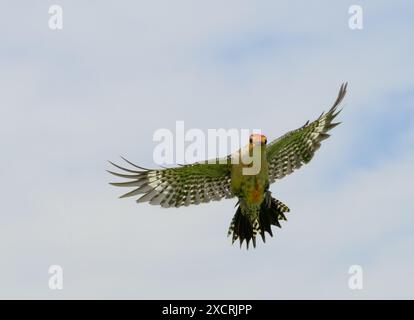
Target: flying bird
column 204, row 181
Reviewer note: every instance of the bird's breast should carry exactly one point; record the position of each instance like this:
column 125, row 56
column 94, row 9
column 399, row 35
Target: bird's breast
column 255, row 191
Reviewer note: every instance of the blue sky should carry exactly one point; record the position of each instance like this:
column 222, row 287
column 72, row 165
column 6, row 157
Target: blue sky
column 118, row 71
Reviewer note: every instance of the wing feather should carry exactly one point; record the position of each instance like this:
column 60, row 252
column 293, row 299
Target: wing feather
column 297, row 147
column 180, row 186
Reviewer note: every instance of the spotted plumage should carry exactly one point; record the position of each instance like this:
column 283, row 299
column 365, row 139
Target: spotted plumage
column 207, row 181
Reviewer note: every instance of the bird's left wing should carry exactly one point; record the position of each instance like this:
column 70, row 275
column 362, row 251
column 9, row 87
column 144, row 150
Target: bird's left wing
column 297, row 147
column 179, row 186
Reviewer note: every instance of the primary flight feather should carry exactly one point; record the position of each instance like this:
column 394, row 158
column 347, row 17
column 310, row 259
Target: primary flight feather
column 205, row 181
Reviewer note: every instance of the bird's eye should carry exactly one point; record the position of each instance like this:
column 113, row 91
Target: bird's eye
column 265, row 141
column 251, row 140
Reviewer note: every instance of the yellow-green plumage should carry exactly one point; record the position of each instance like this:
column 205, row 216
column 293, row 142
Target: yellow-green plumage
column 205, row 181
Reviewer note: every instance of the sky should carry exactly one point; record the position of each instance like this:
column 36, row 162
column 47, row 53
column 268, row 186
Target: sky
column 74, row 98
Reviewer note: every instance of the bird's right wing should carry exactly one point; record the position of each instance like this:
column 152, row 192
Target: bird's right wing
column 179, row 186
column 297, row 147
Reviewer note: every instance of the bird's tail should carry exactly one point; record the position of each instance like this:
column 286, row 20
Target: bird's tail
column 243, row 228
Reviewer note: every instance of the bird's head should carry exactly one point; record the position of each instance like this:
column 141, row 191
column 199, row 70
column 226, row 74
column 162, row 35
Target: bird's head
column 257, row 140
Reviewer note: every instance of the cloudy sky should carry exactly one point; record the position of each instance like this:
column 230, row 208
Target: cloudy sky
column 74, row 98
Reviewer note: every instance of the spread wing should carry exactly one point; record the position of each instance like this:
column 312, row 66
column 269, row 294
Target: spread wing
column 297, row 147
column 179, row 186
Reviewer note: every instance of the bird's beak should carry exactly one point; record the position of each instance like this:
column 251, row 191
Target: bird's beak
column 258, row 143
column 261, row 142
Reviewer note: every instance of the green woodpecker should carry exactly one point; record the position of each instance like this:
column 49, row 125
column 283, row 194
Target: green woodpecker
column 233, row 176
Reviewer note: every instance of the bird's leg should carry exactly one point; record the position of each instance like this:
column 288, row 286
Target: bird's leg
column 268, row 199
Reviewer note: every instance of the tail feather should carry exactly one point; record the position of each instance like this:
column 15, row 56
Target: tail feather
column 242, row 228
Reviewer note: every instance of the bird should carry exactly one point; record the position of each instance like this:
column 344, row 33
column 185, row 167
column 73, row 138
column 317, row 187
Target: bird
column 228, row 177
